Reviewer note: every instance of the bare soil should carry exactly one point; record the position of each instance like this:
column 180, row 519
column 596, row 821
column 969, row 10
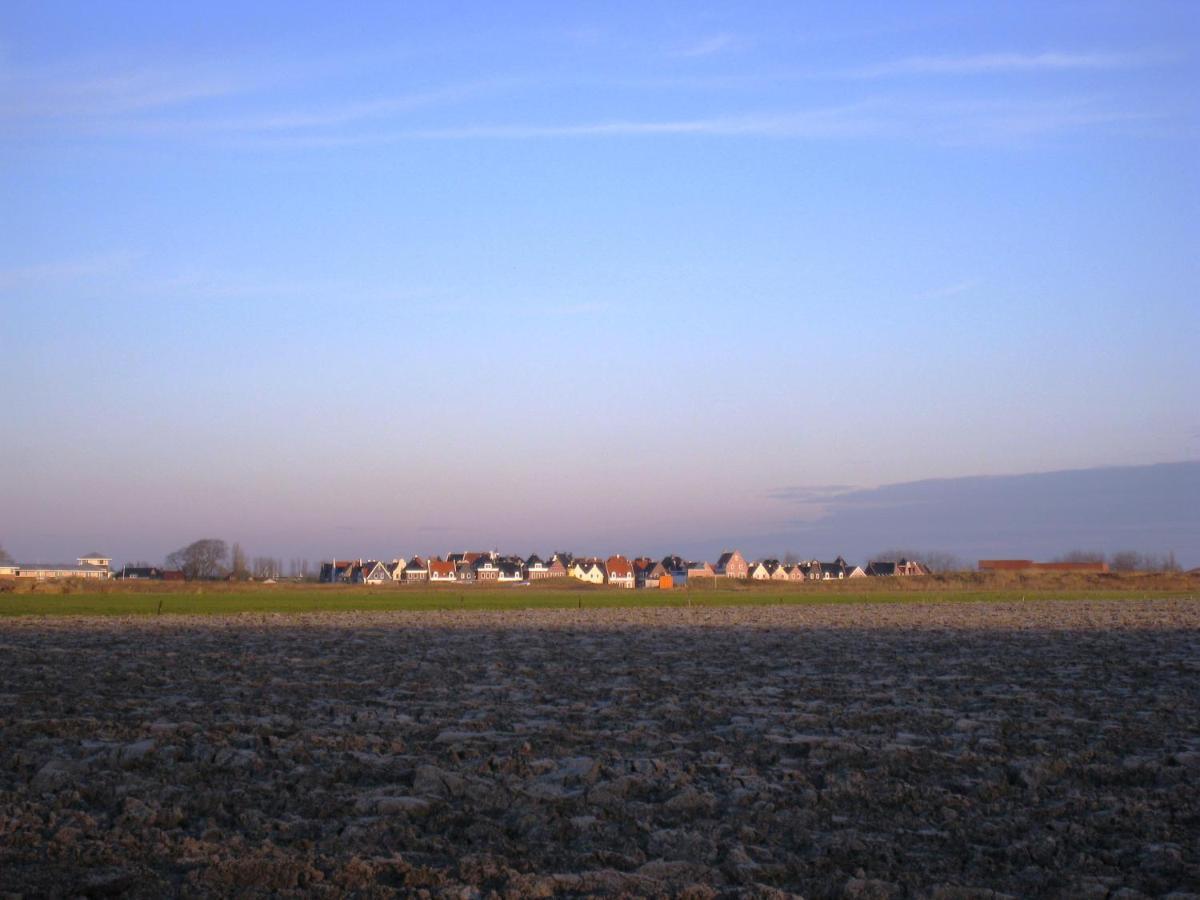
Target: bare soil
column 941, row 750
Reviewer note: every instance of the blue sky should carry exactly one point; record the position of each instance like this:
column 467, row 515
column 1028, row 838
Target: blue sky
column 534, row 275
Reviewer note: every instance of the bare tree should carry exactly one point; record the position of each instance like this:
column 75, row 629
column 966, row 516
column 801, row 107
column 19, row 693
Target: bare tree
column 1132, row 561
column 5, row 558
column 204, row 558
column 266, row 567
column 790, row 558
column 239, row 568
column 1081, row 556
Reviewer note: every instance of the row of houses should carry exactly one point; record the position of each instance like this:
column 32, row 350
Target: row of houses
column 617, row 571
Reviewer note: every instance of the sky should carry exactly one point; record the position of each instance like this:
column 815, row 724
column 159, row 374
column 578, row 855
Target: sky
column 417, row 277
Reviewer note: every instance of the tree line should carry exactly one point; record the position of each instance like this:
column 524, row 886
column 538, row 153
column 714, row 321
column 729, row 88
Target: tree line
column 1126, row 560
column 210, row 558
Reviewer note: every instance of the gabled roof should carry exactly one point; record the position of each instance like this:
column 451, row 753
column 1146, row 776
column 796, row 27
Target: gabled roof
column 437, row 567
column 881, row 568
column 415, row 563
column 534, row 560
column 618, row 567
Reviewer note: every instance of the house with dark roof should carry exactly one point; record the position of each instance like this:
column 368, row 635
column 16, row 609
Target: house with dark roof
column 509, row 570
column 700, row 569
column 795, row 572
column 536, row 568
column 416, row 570
column 139, row 573
column 732, row 565
column 485, row 567
column 338, row 571
column 371, row 572
column 833, row 571
column 775, row 570
column 642, row 566
column 885, row 568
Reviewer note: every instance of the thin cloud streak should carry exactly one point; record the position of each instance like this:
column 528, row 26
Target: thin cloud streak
column 949, row 124
column 995, row 63
column 950, row 290
column 34, row 98
column 710, row 46
column 382, row 108
column 66, row 271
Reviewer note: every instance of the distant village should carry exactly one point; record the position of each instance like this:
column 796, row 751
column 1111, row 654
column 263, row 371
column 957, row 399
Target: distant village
column 491, row 566
column 617, row 571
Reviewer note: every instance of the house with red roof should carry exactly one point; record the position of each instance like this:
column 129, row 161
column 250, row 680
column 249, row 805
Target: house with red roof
column 620, row 572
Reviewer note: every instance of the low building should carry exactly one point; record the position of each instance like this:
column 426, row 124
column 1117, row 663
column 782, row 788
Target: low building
column 92, row 567
column 139, row 573
column 700, row 570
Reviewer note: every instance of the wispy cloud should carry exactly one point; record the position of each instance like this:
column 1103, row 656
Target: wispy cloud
column 949, row 290
column 948, row 123
column 830, row 122
column 350, row 113
column 710, row 46
column 996, row 63
column 52, row 95
column 810, row 493
column 66, row 271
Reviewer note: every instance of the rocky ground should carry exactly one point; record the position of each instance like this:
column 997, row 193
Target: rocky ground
column 950, row 751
